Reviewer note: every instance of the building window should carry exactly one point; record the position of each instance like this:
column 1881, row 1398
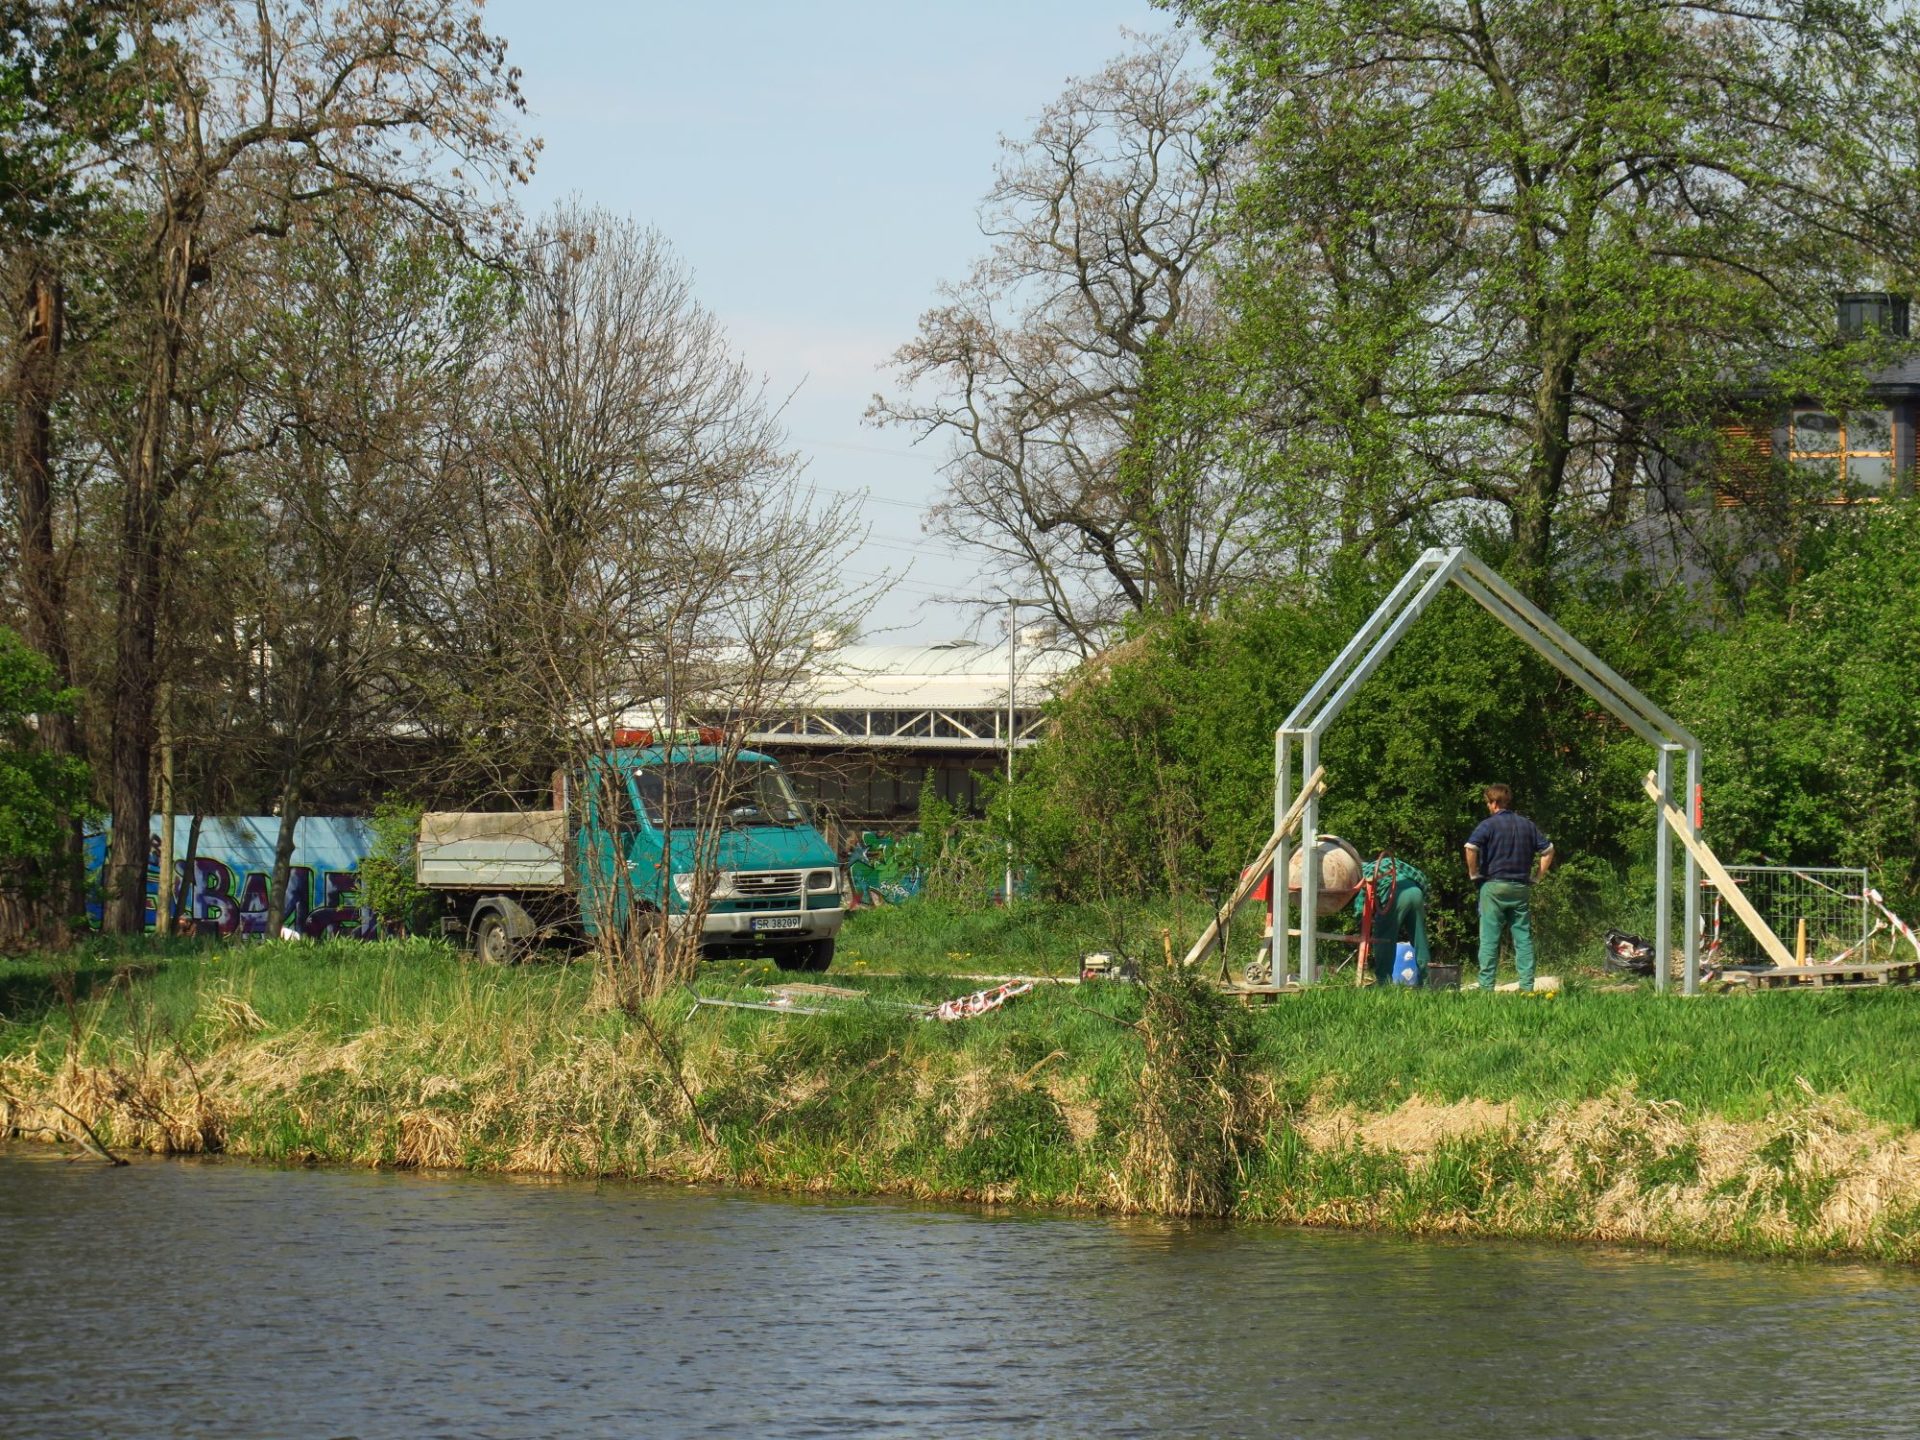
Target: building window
column 1849, row 453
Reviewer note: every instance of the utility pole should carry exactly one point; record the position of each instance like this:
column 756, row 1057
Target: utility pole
column 1013, row 678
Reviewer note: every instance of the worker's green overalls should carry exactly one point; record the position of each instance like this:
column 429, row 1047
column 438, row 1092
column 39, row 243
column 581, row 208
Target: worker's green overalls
column 1403, row 916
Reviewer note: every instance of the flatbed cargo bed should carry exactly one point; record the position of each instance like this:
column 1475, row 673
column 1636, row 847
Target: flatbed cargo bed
column 491, row 850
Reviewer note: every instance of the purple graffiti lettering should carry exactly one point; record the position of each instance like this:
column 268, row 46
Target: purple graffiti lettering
column 336, row 917
column 253, row 903
column 214, row 903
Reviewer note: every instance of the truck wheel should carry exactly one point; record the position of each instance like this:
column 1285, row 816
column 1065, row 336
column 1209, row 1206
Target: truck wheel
column 815, row 955
column 492, row 941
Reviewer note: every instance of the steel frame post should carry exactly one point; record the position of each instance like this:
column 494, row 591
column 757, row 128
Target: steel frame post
column 1013, row 681
column 1281, row 955
column 1309, row 871
column 1692, row 986
column 1311, row 703
column 1362, row 656
column 1382, row 647
column 1663, row 876
column 1568, row 662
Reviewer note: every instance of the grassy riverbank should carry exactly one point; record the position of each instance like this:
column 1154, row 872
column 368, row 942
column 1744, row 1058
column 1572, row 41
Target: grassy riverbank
column 1777, row 1123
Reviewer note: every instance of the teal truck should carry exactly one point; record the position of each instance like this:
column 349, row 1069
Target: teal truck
column 623, row 849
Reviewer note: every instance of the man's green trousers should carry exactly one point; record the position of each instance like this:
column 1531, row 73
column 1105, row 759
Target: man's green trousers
column 1506, row 905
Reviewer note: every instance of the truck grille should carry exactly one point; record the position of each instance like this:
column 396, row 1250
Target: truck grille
column 764, row 884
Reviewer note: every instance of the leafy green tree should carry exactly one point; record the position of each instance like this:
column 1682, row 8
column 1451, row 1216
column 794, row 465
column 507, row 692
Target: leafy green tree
column 62, row 93
column 37, row 788
column 1810, row 712
column 1510, row 255
column 252, row 118
column 63, row 102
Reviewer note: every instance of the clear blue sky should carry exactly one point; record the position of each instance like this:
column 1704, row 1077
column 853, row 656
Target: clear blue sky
column 819, row 166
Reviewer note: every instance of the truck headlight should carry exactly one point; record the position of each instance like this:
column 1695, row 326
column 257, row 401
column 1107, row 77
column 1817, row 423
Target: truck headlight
column 820, row 881
column 722, row 887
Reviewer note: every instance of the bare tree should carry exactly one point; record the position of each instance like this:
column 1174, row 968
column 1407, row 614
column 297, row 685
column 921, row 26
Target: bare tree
column 251, row 116
column 366, row 341
column 61, row 70
column 614, row 410
column 1061, row 369
column 636, row 549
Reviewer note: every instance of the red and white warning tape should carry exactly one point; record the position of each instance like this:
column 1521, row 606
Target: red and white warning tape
column 1894, row 920
column 965, row 1007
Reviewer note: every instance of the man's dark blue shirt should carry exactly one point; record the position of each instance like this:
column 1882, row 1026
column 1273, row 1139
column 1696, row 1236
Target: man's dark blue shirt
column 1507, row 843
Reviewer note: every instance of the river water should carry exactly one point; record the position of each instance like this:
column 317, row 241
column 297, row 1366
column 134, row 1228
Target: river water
column 211, row 1299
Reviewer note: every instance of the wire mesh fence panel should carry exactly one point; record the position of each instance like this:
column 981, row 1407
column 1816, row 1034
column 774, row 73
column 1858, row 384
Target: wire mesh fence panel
column 1831, row 901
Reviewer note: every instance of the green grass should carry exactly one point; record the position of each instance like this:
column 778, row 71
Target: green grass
column 1735, row 1055
column 1731, row 1055
column 408, row 1054
column 1033, row 937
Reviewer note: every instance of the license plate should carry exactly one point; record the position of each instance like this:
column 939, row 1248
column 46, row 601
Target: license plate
column 773, row 922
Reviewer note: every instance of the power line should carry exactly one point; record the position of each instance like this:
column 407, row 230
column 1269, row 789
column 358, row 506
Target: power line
column 869, row 496
column 937, row 592
column 861, row 449
column 913, row 547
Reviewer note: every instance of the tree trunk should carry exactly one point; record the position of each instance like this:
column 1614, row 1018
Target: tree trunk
column 1539, row 494
column 190, row 886
column 43, row 586
column 290, row 798
column 137, row 587
column 163, row 891
column 1625, row 471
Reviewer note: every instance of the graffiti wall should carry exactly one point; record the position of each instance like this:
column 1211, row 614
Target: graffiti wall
column 886, row 869
column 226, row 893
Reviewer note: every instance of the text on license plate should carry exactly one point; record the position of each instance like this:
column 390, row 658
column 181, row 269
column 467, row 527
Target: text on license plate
column 774, row 922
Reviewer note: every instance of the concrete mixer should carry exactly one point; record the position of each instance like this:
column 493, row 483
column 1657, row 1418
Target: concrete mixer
column 1339, row 871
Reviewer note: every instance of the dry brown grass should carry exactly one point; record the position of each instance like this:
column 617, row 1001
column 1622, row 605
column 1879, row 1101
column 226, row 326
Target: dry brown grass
column 1420, row 1126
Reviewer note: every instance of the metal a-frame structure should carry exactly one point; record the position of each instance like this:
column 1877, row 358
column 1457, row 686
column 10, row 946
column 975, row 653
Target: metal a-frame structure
column 1336, row 688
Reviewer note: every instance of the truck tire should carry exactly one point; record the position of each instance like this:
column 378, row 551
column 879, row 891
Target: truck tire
column 493, row 940
column 815, row 955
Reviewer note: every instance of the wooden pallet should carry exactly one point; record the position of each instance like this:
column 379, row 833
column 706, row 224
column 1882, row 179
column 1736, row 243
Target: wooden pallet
column 1258, row 994
column 1820, row 977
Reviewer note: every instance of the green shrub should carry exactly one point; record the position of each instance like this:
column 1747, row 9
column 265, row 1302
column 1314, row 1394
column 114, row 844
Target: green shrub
column 387, row 884
column 37, row 789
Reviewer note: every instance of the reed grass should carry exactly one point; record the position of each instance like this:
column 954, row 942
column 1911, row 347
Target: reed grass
column 1779, row 1123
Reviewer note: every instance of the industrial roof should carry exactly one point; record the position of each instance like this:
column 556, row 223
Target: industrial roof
column 959, row 675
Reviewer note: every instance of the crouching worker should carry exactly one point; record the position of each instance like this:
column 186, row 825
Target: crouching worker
column 1392, row 906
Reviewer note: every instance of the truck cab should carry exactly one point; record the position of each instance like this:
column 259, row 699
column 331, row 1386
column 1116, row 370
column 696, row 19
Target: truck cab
column 658, row 822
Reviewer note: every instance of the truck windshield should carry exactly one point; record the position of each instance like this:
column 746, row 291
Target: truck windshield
column 692, row 794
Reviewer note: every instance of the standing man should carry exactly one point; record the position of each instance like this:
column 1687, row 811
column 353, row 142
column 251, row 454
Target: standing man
column 1500, row 858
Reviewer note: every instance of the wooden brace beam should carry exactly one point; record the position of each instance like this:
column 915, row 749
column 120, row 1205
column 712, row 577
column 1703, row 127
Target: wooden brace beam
column 1728, row 887
column 1210, row 936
